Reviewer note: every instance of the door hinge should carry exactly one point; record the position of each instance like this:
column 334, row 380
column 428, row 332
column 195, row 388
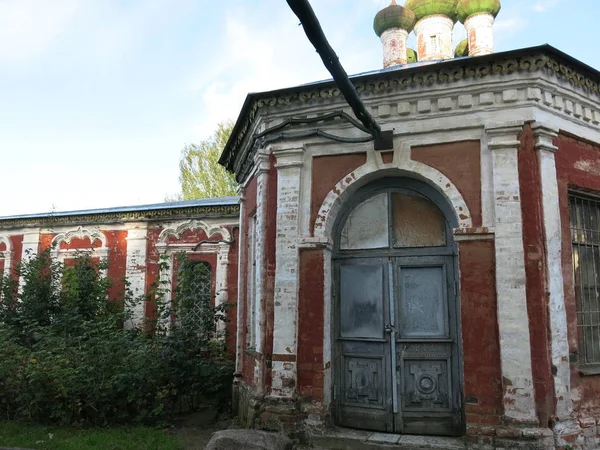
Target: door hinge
column 456, row 288
column 335, row 389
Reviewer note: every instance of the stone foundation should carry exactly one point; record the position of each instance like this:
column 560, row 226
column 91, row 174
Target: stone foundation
column 300, row 419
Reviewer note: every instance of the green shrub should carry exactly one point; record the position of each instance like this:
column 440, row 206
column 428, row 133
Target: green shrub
column 66, row 357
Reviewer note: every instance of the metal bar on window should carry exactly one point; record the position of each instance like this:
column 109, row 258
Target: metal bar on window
column 585, row 235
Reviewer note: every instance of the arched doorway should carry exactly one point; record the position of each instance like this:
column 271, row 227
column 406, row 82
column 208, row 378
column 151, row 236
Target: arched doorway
column 396, row 332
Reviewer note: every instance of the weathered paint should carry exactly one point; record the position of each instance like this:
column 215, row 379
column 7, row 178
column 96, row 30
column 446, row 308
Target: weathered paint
column 136, row 266
column 480, row 34
column 466, row 176
column 535, row 270
column 394, row 47
column 559, row 341
column 515, row 347
column 434, row 38
column 575, row 162
column 284, row 367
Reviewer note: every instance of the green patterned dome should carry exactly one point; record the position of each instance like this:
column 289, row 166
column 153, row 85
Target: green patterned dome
column 424, row 8
column 467, row 8
column 462, row 49
column 411, row 56
column 394, row 16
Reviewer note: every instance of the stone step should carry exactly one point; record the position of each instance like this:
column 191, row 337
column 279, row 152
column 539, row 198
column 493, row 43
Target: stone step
column 366, row 440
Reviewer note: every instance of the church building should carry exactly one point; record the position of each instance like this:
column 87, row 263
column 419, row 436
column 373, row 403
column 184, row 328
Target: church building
column 447, row 286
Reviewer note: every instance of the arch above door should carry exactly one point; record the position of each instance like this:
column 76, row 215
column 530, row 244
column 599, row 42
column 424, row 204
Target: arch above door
column 368, row 173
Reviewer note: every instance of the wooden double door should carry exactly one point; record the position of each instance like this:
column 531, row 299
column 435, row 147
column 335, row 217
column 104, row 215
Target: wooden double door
column 396, row 342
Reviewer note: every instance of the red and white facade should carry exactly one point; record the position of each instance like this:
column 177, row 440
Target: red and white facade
column 485, row 330
column 135, row 241
column 502, row 144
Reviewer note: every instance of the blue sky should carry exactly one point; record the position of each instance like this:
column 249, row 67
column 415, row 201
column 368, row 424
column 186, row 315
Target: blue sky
column 97, row 97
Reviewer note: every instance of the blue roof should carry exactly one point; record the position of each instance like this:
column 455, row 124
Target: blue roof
column 220, row 201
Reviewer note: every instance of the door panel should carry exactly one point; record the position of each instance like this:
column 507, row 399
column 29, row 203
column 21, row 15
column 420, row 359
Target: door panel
column 362, row 301
column 422, row 302
column 364, row 370
column 397, row 353
column 427, row 345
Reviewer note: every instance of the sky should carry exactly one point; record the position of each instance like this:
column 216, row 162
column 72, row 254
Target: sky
column 98, row 97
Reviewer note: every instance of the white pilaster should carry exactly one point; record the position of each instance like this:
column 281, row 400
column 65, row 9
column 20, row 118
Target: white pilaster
column 135, row 268
column 434, row 38
column 239, row 346
column 30, row 246
column 289, row 185
column 6, row 255
column 221, row 277
column 394, row 47
column 555, row 284
column 513, row 321
column 262, row 178
column 480, row 34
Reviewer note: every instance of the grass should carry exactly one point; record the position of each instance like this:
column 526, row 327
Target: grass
column 39, row 437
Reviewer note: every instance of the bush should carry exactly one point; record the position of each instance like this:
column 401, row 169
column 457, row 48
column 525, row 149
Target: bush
column 66, row 357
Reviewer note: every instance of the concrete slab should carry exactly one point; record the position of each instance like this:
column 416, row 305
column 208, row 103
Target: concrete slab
column 346, row 439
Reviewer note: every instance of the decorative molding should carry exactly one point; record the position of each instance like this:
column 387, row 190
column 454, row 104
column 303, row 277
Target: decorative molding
column 331, row 206
column 139, row 216
column 440, row 74
column 210, row 230
column 94, row 234
column 6, row 255
column 7, row 242
column 544, row 137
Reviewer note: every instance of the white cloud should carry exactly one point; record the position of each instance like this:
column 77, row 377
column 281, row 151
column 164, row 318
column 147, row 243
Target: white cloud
column 545, row 5
column 509, row 25
column 28, row 28
column 260, row 59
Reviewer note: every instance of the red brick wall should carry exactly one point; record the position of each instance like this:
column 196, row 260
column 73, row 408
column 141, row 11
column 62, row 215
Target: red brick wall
column 535, row 271
column 310, row 324
column 481, row 344
column 461, row 163
column 578, row 166
column 327, row 171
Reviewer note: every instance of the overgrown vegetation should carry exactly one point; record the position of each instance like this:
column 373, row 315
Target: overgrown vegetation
column 68, row 355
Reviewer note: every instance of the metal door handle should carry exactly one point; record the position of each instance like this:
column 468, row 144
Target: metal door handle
column 389, row 328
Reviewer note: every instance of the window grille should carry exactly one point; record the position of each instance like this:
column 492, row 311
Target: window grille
column 585, row 233
column 196, row 293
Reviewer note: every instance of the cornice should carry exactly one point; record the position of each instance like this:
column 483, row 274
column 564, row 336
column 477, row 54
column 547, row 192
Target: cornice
column 140, row 216
column 437, row 75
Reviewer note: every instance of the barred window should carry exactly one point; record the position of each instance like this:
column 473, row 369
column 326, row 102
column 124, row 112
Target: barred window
column 585, row 232
column 196, row 293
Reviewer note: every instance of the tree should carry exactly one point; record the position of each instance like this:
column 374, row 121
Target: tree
column 201, row 175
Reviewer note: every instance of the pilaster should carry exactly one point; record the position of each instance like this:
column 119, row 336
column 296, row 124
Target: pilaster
column 136, row 268
column 513, row 321
column 289, row 185
column 546, row 149
column 242, row 242
column 31, row 246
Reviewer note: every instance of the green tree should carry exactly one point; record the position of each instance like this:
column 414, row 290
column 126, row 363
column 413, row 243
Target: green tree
column 200, row 174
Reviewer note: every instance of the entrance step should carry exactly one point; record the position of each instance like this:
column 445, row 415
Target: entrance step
column 341, row 439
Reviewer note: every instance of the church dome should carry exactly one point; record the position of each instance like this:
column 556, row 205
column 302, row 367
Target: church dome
column 424, row 8
column 411, row 56
column 467, row 8
column 462, row 49
column 394, row 16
